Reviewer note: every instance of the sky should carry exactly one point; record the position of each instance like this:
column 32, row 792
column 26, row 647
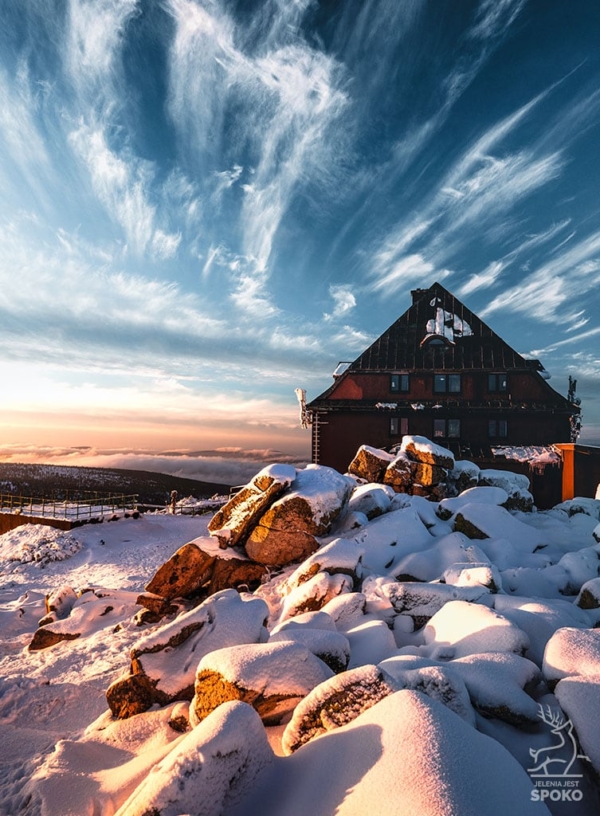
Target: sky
column 205, row 204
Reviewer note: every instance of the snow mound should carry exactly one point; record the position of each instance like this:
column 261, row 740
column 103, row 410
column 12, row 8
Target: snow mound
column 210, row 770
column 36, row 544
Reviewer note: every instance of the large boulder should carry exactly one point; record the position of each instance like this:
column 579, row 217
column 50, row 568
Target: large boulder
column 422, row 601
column 399, row 474
column 271, row 677
column 184, row 573
column 201, row 565
column 572, row 652
column 233, row 522
column 163, row 663
column 423, row 450
column 370, row 463
column 209, row 770
column 287, row 531
column 336, row 702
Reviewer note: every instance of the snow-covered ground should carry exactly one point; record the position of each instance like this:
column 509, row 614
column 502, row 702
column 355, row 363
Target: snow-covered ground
column 463, row 708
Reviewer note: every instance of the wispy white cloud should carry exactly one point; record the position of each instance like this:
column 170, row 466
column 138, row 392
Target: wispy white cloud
column 94, row 36
column 494, row 17
column 481, row 185
column 343, row 299
column 548, row 292
column 122, row 186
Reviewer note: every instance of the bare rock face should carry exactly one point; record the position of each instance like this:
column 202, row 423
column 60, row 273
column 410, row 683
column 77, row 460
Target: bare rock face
column 201, row 564
column 336, row 702
column 163, row 662
column 399, row 474
column 287, row 531
column 184, row 573
column 133, row 694
column 423, row 450
column 428, row 475
column 43, row 638
column 232, row 523
column 370, row 463
column 271, row 677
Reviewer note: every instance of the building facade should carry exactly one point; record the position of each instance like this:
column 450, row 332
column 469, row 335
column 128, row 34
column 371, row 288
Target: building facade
column 439, row 371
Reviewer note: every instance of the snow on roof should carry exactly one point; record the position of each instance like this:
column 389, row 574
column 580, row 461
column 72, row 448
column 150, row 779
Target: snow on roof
column 447, row 325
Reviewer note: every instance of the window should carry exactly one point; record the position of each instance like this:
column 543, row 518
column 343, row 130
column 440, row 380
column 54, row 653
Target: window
column 446, row 383
column 497, row 382
column 446, row 428
column 497, row 429
column 399, row 383
column 398, row 426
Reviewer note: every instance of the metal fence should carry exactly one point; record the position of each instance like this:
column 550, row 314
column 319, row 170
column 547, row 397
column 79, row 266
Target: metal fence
column 83, row 507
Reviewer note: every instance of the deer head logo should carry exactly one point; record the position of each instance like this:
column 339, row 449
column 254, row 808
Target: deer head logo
column 553, row 760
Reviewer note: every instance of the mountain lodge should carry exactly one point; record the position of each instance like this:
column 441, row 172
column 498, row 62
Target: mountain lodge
column 440, row 372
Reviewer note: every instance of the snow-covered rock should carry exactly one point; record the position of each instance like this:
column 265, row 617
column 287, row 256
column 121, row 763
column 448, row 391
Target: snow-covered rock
column 579, row 698
column 460, row 629
column 421, row 755
column 330, row 647
column 371, row 499
column 474, row 495
column 209, row 771
column 287, row 531
column 572, row 652
column 431, row 563
column 163, row 663
column 340, row 556
column 370, row 463
column 424, row 450
column 336, row 702
column 232, row 523
column 422, row 601
column 589, row 594
column 272, row 677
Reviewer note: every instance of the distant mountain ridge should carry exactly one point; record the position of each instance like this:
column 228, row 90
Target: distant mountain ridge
column 55, row 481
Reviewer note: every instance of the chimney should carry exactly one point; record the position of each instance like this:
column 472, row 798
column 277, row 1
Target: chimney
column 417, row 294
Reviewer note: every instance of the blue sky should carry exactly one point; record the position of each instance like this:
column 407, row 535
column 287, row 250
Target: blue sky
column 207, row 203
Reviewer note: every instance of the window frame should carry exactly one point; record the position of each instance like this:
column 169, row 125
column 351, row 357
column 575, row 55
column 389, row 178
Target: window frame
column 444, row 426
column 495, row 382
column 497, row 429
column 403, row 379
column 400, row 424
column 451, row 380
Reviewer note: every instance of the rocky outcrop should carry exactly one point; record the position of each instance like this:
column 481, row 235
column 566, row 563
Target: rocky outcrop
column 232, row 523
column 185, row 572
column 421, row 449
column 370, row 463
column 201, row 565
column 399, row 474
column 288, row 531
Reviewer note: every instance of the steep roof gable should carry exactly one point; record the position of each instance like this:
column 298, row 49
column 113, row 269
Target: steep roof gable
column 439, row 332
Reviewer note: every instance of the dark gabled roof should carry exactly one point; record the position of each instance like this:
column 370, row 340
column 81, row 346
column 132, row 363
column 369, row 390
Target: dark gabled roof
column 439, row 332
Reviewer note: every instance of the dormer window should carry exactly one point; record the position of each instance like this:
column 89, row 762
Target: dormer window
column 399, row 383
column 435, row 340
